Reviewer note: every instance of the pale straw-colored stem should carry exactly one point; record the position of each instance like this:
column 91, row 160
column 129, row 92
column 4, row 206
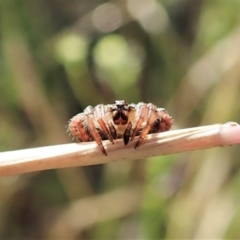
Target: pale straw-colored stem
column 75, row 154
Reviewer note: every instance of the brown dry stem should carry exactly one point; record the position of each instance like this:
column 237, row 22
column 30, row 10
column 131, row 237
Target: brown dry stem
column 75, row 155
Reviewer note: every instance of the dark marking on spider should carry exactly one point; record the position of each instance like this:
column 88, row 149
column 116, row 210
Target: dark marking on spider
column 119, row 120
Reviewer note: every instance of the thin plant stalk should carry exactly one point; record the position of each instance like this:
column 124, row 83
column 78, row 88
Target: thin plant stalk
column 83, row 154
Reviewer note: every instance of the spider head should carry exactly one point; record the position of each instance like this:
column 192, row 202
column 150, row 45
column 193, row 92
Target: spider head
column 120, row 111
column 120, row 104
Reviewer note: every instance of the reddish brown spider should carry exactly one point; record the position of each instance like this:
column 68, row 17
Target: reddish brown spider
column 119, row 120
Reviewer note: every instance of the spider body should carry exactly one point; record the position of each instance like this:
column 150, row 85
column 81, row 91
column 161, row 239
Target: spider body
column 119, row 120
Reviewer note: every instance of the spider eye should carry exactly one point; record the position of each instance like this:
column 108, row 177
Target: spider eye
column 120, row 103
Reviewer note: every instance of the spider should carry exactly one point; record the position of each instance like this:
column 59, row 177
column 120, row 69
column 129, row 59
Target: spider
column 119, row 120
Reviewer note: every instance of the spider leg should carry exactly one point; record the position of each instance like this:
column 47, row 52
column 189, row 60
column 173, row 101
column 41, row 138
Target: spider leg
column 127, row 132
column 112, row 130
column 141, row 115
column 155, row 126
column 89, row 111
column 151, row 118
column 99, row 114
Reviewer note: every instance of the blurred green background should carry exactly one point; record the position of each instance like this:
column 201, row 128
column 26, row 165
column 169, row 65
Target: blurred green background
column 57, row 57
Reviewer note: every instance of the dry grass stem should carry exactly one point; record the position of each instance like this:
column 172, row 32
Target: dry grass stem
column 74, row 154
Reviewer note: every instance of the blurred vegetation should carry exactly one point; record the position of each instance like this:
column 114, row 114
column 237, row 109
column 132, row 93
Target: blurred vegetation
column 57, row 57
